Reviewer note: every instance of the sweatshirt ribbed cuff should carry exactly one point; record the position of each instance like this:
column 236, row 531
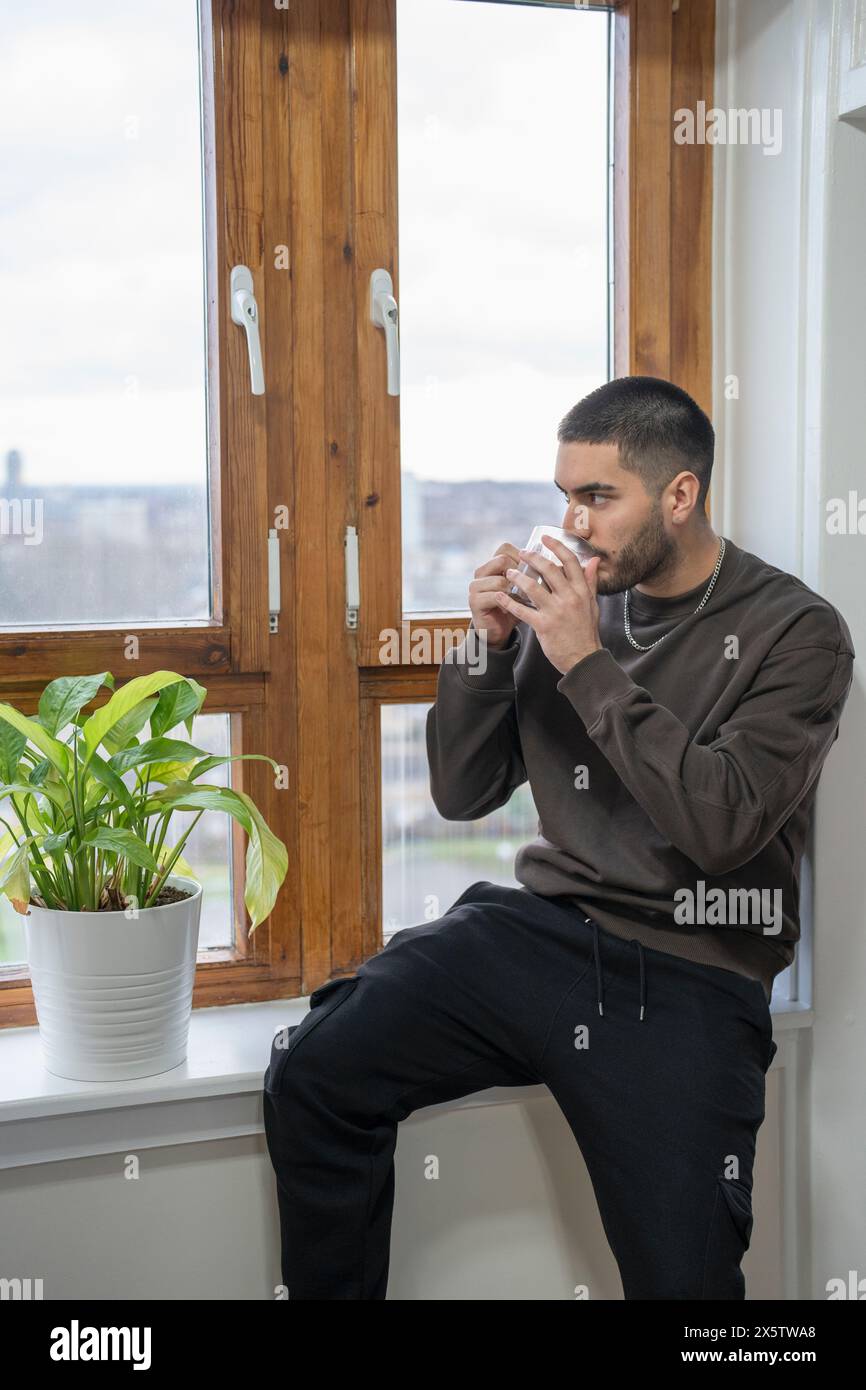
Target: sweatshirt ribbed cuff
column 471, row 655
column 595, row 681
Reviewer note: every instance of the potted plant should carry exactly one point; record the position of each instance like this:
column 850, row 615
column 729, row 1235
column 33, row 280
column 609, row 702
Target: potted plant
column 112, row 911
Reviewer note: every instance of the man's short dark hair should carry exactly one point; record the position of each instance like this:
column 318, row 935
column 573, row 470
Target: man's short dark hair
column 660, row 430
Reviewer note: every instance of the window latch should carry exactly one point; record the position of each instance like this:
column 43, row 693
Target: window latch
column 273, row 580
column 353, row 578
column 245, row 312
column 383, row 312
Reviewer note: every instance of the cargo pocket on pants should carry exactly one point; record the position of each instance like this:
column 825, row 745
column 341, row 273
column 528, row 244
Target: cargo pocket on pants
column 323, row 1001
column 729, row 1239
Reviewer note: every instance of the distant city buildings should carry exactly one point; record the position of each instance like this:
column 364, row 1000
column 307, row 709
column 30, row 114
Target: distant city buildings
column 121, row 553
column 450, row 528
column 129, row 552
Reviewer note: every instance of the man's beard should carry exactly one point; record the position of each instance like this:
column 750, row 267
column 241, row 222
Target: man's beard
column 649, row 555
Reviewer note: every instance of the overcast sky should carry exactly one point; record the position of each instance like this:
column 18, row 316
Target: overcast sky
column 502, row 121
column 502, row 180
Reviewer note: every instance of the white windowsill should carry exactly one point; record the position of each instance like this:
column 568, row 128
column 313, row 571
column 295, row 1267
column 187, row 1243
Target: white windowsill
column 214, row 1094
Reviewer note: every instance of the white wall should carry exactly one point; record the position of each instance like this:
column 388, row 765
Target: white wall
column 790, row 322
column 511, row 1215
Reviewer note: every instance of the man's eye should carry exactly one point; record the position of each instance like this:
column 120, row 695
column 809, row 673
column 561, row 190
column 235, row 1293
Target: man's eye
column 596, row 497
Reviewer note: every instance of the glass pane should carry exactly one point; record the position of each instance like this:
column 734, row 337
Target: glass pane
column 503, row 183
column 103, row 413
column 428, row 861
column 207, row 851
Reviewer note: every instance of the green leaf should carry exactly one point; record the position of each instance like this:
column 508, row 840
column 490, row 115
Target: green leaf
column 33, row 818
column 200, row 694
column 25, row 789
column 123, row 735
column 43, row 776
column 52, row 843
column 266, row 866
column 171, row 772
column 56, row 753
column 15, row 879
column 267, row 857
column 177, row 703
column 120, row 842
column 7, row 842
column 12, row 745
column 156, row 750
column 209, row 798
column 63, row 698
column 199, row 769
column 122, row 702
column 39, row 771
column 105, row 774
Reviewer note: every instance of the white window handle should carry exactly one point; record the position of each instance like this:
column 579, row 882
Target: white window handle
column 245, row 311
column 383, row 312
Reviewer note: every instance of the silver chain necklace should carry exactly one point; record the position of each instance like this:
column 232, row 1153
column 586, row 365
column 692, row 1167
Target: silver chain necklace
column 690, row 615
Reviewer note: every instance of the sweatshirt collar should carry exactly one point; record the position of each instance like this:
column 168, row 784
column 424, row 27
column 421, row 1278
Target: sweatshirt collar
column 651, row 607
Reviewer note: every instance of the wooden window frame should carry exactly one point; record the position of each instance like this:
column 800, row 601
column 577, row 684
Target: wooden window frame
column 305, row 148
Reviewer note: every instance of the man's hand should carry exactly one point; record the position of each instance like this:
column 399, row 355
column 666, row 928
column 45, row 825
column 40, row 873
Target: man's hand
column 488, row 584
column 566, row 618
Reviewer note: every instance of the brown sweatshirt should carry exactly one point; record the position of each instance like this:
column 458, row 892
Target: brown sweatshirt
column 667, row 781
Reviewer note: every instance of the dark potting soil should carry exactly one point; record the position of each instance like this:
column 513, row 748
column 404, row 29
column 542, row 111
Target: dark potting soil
column 169, row 895
column 116, row 902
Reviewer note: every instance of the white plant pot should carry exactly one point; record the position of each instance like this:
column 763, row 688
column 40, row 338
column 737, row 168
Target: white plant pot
column 113, row 992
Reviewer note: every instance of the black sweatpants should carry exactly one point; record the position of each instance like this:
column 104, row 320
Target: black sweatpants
column 510, row 988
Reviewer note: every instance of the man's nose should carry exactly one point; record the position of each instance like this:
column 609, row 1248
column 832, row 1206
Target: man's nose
column 574, row 522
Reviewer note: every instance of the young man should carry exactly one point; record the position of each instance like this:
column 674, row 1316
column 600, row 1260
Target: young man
column 671, row 706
